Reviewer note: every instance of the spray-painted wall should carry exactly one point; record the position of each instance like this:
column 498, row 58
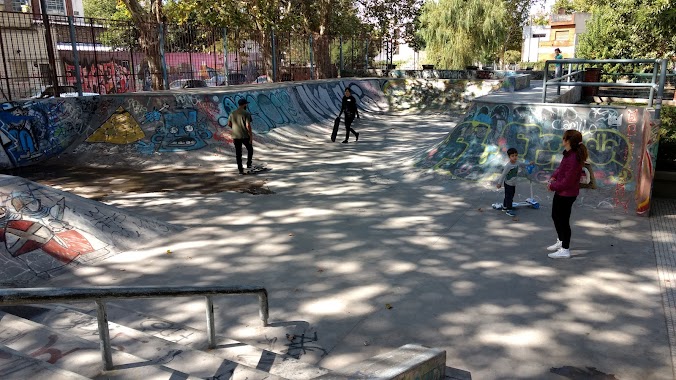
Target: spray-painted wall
column 161, row 127
column 621, row 142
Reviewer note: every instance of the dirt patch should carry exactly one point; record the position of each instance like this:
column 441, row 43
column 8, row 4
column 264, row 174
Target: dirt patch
column 97, row 183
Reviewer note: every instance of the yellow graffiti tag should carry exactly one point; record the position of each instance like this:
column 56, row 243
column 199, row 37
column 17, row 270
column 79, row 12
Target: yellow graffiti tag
column 120, row 128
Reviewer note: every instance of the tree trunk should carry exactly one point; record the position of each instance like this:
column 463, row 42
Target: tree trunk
column 150, row 44
column 148, row 23
column 322, row 55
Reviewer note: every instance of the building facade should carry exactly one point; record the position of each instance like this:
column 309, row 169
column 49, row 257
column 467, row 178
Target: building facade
column 562, row 32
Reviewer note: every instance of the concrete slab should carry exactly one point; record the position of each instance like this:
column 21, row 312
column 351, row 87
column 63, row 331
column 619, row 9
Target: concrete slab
column 353, row 228
column 362, row 252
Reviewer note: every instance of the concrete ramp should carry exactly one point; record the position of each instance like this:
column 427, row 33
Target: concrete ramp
column 188, row 128
column 622, row 143
column 44, row 230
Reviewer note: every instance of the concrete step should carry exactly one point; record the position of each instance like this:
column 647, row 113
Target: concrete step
column 276, row 363
column 157, row 350
column 17, row 365
column 75, row 354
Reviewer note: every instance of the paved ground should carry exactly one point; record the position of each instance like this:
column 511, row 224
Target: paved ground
column 362, row 253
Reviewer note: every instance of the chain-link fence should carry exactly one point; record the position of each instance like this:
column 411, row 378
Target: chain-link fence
column 42, row 55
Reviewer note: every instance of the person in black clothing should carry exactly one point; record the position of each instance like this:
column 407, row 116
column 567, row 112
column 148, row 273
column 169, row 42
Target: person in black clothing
column 350, row 108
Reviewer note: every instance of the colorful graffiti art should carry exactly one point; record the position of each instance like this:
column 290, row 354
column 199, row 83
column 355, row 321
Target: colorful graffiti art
column 111, row 77
column 120, row 128
column 476, row 147
column 33, row 230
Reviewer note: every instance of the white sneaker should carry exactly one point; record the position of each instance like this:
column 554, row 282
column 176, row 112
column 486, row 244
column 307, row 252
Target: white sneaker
column 562, row 253
column 556, row 246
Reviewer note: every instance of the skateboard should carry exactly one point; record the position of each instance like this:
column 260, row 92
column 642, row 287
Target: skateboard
column 256, row 169
column 336, row 124
column 528, row 202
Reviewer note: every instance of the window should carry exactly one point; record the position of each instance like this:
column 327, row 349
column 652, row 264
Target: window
column 539, row 35
column 15, row 5
column 561, row 36
column 56, row 7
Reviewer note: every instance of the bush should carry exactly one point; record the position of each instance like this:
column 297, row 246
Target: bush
column 666, row 152
column 668, row 128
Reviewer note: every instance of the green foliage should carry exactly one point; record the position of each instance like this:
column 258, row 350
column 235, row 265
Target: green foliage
column 567, row 6
column 105, row 9
column 630, row 29
column 459, row 32
column 668, row 127
column 512, row 56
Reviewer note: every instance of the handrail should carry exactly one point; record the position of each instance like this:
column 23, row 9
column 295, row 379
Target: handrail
column 100, row 294
column 653, row 85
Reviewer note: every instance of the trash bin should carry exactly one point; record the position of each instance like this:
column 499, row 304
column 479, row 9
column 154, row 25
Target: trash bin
column 591, row 74
column 428, row 67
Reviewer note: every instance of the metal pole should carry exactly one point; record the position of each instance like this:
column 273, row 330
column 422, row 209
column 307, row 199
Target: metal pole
column 96, row 60
column 274, row 56
column 104, row 334
column 660, row 90
column 211, row 330
column 340, row 68
column 213, row 36
column 76, row 56
column 312, row 65
column 225, row 54
column 544, row 83
column 263, row 307
column 366, row 58
column 654, row 81
column 4, row 64
column 165, row 77
column 50, row 48
column 132, row 68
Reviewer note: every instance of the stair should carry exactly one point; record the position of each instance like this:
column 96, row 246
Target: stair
column 58, row 342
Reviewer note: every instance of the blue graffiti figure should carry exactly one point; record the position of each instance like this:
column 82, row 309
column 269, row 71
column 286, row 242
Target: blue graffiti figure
column 18, row 126
column 180, row 132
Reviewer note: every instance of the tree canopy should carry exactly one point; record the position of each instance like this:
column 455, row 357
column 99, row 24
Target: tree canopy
column 629, row 29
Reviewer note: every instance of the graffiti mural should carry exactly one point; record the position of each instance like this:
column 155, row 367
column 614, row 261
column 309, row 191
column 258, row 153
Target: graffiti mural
column 476, row 148
column 135, row 128
column 34, row 234
column 103, row 77
column 43, row 231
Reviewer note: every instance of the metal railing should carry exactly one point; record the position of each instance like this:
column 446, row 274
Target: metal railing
column 659, row 68
column 100, row 294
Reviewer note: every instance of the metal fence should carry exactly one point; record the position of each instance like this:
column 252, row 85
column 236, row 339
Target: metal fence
column 44, row 54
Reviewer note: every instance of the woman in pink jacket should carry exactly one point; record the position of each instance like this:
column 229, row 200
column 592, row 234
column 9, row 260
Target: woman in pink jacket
column 565, row 183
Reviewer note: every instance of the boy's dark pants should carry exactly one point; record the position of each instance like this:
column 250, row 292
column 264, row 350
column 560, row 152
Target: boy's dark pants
column 238, row 152
column 509, row 196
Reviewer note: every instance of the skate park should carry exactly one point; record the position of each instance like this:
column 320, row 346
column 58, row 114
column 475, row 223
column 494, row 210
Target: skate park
column 363, row 247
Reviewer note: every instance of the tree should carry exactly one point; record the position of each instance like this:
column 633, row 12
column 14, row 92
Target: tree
column 630, row 29
column 459, row 32
column 393, row 20
column 104, row 9
column 148, row 21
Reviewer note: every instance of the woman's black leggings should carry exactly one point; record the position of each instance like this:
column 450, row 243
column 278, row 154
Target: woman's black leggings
column 561, row 208
column 349, row 118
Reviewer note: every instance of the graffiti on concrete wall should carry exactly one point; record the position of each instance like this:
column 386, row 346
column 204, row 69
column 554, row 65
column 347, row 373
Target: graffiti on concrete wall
column 103, row 77
column 35, row 236
column 476, row 148
column 36, row 130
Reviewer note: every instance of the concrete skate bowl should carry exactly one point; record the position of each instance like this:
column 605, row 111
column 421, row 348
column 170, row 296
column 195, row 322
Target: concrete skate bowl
column 622, row 143
column 189, row 128
column 44, row 231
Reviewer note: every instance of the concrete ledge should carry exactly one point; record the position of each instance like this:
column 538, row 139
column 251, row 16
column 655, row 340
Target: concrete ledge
column 410, row 361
